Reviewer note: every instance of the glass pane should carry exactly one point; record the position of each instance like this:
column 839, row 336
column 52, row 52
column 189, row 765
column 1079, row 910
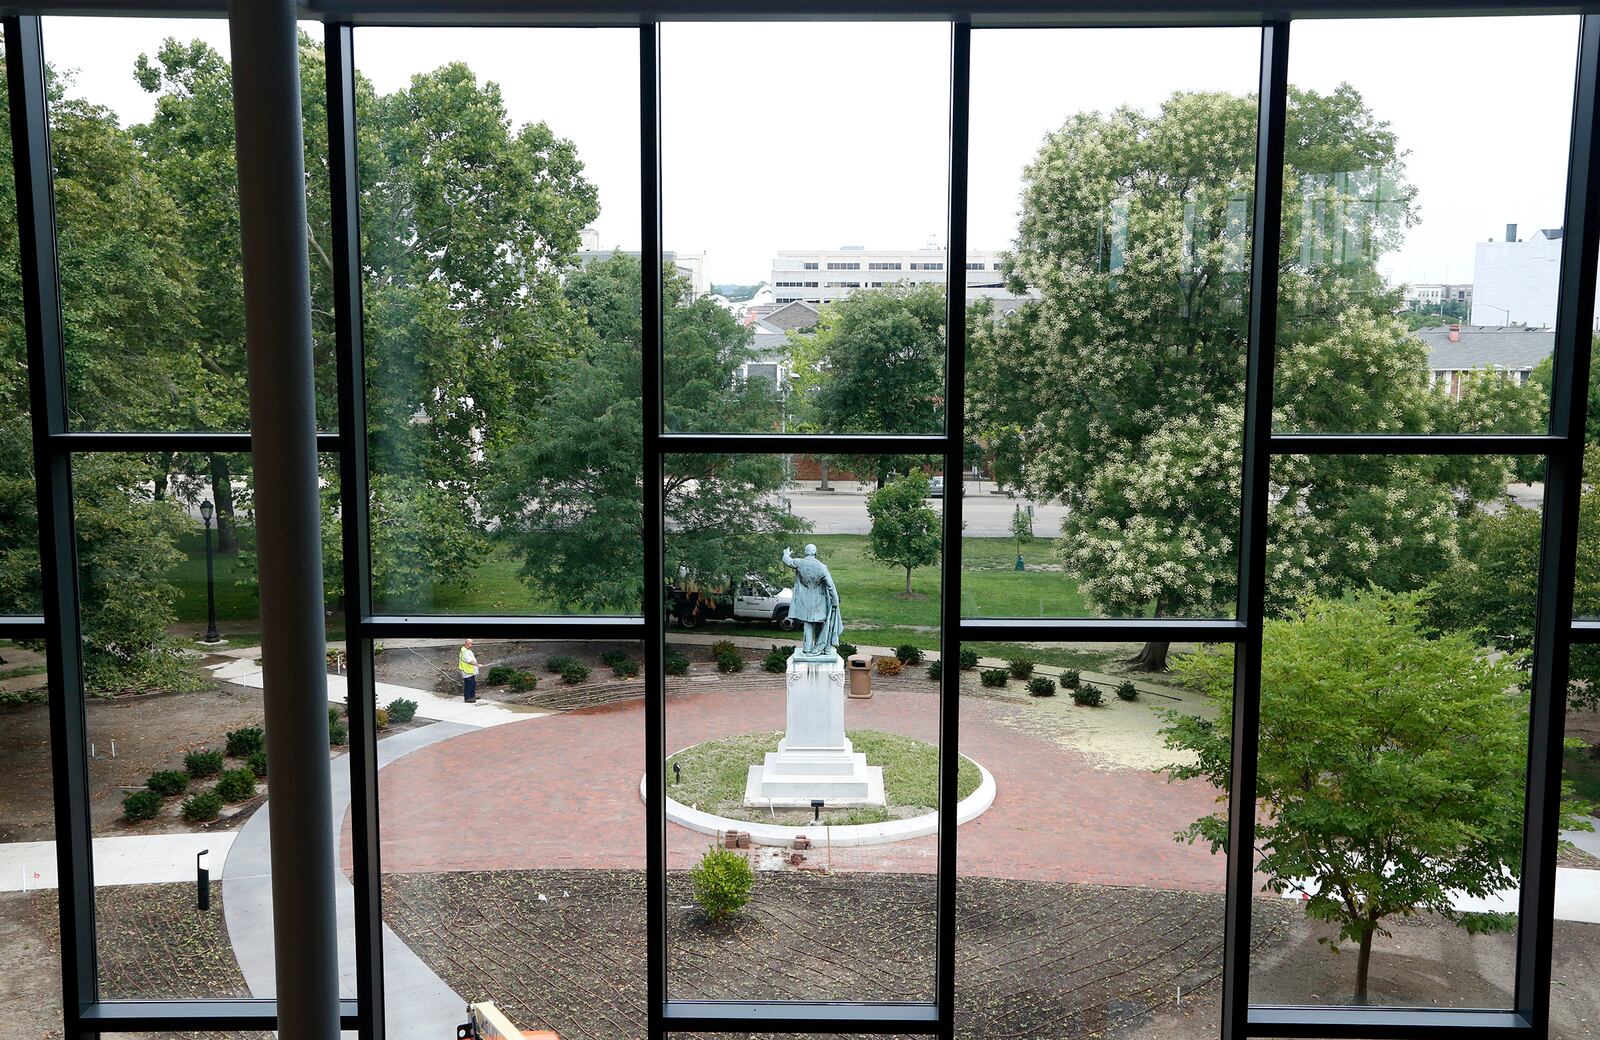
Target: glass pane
column 147, row 214
column 834, row 298
column 500, row 213
column 1394, row 729
column 1105, row 367
column 19, row 518
column 1101, row 924
column 30, row 948
column 517, row 881
column 1431, row 280
column 800, row 714
column 176, row 729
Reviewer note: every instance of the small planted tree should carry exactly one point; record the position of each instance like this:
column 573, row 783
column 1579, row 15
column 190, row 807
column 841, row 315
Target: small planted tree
column 1390, row 769
column 1021, row 530
column 905, row 532
column 722, row 881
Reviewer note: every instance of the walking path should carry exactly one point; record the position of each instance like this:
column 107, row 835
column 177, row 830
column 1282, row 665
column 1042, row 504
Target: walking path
column 144, row 859
column 418, row 1005
column 244, row 671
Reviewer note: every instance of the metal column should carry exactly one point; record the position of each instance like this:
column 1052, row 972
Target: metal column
column 272, row 220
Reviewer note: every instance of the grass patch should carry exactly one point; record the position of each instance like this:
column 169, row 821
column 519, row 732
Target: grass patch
column 714, row 776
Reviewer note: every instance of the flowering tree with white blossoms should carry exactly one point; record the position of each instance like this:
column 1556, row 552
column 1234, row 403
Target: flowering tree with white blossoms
column 1119, row 391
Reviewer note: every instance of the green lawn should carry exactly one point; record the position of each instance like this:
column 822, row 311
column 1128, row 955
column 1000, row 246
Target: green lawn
column 876, row 608
column 714, row 775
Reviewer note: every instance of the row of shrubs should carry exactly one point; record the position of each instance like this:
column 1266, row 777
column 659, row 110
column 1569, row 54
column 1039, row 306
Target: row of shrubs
column 233, row 785
column 398, row 710
column 1082, row 692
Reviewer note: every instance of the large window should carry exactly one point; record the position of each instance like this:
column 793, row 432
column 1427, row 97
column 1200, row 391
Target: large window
column 1165, row 633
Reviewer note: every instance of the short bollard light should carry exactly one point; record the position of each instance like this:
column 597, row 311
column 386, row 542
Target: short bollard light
column 816, row 810
column 202, row 872
column 677, row 773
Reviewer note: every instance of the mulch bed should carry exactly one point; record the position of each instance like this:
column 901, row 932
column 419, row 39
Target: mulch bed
column 1033, row 958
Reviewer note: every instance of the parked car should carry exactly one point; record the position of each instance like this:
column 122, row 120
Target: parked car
column 936, row 487
column 753, row 599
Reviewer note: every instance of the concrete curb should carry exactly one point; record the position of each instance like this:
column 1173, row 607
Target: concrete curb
column 969, row 808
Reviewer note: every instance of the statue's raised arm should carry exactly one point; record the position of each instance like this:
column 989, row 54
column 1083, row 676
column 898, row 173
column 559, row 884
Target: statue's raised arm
column 788, row 558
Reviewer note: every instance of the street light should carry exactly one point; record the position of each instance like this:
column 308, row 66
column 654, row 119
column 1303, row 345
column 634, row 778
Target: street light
column 1502, row 310
column 212, row 635
column 202, row 877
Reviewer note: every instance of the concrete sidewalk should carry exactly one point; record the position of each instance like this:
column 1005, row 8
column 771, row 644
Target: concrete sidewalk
column 417, row 1003
column 143, row 859
column 430, row 705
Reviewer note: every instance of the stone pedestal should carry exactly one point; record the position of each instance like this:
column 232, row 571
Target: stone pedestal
column 814, row 759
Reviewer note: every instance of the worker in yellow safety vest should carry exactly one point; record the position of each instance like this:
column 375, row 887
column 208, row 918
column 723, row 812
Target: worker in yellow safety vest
column 467, row 662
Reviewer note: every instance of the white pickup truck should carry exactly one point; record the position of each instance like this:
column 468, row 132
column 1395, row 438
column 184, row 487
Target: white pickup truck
column 753, row 599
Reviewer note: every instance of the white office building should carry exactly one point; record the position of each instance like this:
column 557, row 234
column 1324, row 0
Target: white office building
column 1515, row 282
column 689, row 266
column 818, row 276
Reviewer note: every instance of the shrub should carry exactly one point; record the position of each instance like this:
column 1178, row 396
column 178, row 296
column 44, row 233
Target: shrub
column 612, row 658
column 722, row 881
column 141, row 805
column 198, row 808
column 334, row 716
column 574, row 673
column 522, row 682
column 401, row 710
column 933, row 670
column 777, row 659
column 1070, row 679
column 242, row 742
column 1020, row 668
column 888, row 665
column 558, row 664
column 338, row 734
column 203, row 762
column 1086, row 695
column 499, row 675
column 1126, row 691
column 969, row 659
column 257, row 764
column 729, row 659
column 722, row 646
column 1040, row 686
column 908, row 654
column 626, row 668
column 236, row 785
column 168, row 782
column 380, row 718
column 993, row 676
column 846, row 649
column 676, row 663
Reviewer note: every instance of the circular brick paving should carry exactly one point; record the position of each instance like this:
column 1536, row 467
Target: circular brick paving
column 561, row 791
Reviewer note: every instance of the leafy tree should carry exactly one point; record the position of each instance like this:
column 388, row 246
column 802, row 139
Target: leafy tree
column 905, row 532
column 1390, row 769
column 1492, row 589
column 875, row 364
column 1021, row 528
column 1119, row 390
column 566, row 494
column 468, row 224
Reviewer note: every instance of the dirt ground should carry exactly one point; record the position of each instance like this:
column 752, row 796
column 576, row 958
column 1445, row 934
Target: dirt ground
column 153, row 943
column 151, row 731
column 1033, row 959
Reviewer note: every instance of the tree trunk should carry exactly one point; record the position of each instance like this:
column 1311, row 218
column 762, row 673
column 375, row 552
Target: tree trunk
column 823, row 484
column 222, row 497
column 1363, row 962
column 1152, row 657
column 163, row 474
column 908, row 581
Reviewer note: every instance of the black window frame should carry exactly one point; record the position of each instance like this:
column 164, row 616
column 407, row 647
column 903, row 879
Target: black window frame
column 85, row 1014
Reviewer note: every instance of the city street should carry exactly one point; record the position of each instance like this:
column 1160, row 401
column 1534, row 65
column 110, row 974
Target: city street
column 988, row 515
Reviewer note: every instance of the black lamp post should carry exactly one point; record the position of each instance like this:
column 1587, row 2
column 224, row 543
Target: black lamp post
column 212, row 635
column 202, row 877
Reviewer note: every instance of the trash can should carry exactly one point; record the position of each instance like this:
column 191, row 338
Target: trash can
column 860, row 668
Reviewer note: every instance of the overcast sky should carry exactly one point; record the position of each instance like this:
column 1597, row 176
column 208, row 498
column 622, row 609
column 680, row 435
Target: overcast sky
column 812, row 136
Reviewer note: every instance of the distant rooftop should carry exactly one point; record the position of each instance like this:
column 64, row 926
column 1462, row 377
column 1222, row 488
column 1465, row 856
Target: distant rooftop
column 1487, row 346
